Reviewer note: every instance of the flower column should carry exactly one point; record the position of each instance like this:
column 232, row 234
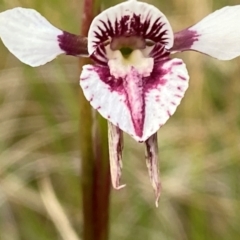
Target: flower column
column 95, row 173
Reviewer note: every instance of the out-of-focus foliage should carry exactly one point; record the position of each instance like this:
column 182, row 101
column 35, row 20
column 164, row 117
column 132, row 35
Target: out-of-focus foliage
column 40, row 194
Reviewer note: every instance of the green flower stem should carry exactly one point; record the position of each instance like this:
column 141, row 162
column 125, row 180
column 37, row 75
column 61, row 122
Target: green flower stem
column 95, row 172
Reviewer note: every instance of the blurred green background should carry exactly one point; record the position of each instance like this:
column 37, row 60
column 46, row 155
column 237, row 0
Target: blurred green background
column 40, row 195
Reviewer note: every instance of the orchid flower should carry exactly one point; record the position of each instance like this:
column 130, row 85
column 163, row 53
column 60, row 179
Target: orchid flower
column 134, row 83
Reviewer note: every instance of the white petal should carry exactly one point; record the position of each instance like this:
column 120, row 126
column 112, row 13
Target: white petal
column 162, row 93
column 29, row 36
column 217, row 35
column 110, row 104
column 130, row 18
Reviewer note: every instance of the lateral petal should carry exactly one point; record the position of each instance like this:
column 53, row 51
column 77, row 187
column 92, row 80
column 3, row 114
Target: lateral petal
column 35, row 41
column 217, row 35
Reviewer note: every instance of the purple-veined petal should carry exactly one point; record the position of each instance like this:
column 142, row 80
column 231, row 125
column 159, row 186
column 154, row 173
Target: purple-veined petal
column 35, row 41
column 115, row 142
column 151, row 153
column 109, row 103
column 164, row 91
column 141, row 106
column 130, row 19
column 217, row 35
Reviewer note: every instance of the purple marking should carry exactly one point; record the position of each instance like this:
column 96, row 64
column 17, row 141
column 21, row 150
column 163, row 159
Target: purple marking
column 113, row 83
column 99, row 55
column 181, row 77
column 135, row 99
column 180, row 89
column 133, row 26
column 84, row 78
column 156, row 80
column 176, row 64
column 184, row 40
column 159, row 52
column 73, row 44
column 157, row 98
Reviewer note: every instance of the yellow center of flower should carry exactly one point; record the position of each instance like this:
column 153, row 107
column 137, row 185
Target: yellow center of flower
column 120, row 65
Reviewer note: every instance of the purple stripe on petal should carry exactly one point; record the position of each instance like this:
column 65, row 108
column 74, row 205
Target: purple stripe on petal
column 133, row 26
column 134, row 88
column 184, row 40
column 182, row 78
column 72, row 44
column 99, row 56
column 113, row 83
column 130, row 19
column 159, row 52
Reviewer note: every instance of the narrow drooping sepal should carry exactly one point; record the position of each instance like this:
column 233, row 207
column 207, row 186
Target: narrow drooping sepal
column 217, row 35
column 139, row 107
column 151, row 154
column 131, row 22
column 35, row 41
column 115, row 142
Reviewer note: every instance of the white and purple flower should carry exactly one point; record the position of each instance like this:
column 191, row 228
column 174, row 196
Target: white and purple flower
column 134, row 83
